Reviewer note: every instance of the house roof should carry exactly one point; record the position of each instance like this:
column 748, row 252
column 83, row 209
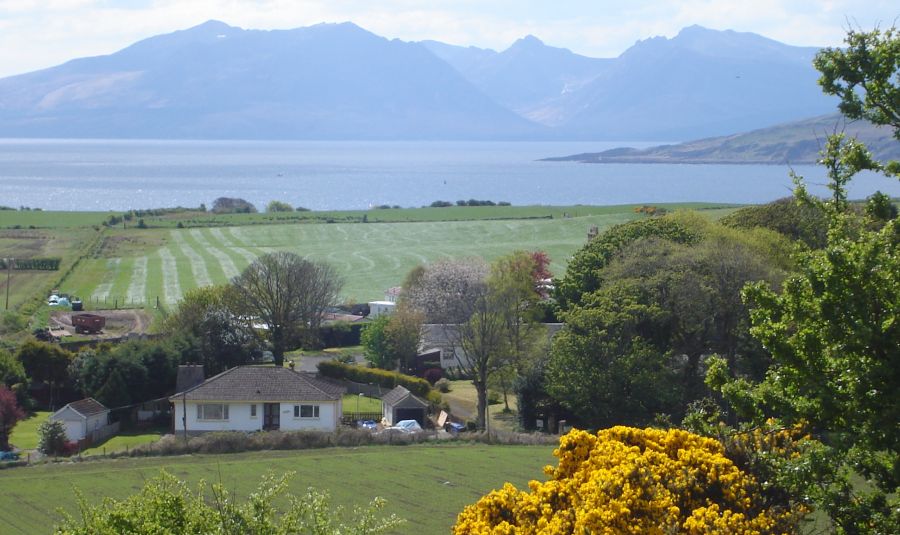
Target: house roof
column 401, row 395
column 261, row 383
column 87, row 407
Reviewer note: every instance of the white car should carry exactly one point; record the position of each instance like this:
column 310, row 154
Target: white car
column 53, row 301
column 406, row 426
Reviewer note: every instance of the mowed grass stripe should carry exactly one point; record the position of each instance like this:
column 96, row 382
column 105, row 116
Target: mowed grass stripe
column 137, row 287
column 154, row 280
column 171, row 287
column 437, row 481
column 229, row 268
column 195, row 261
column 213, row 267
column 248, row 243
column 226, row 242
column 112, row 268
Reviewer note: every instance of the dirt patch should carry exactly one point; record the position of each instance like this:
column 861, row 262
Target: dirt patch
column 118, row 323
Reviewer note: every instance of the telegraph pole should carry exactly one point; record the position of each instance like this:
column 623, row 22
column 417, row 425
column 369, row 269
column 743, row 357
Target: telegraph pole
column 9, row 262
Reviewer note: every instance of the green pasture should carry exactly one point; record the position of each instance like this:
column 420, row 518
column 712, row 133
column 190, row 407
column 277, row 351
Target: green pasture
column 24, row 435
column 137, row 266
column 124, row 441
column 50, row 219
column 426, row 484
column 366, row 404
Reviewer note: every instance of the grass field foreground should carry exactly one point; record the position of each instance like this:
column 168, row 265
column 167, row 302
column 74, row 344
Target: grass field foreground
column 24, row 435
column 426, row 484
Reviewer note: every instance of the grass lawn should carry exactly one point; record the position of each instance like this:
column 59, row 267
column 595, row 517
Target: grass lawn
column 125, row 440
column 366, row 404
column 24, row 435
column 463, row 398
column 427, row 484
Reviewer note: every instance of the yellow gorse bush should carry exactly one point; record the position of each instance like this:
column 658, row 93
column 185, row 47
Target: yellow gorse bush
column 627, row 480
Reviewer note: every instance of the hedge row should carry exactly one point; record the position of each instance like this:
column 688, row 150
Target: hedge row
column 39, row 264
column 387, row 379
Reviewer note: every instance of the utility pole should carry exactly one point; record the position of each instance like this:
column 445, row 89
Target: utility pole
column 9, row 262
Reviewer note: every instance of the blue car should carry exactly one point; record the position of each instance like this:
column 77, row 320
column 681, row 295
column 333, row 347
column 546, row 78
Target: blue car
column 454, row 428
column 9, row 456
column 367, row 424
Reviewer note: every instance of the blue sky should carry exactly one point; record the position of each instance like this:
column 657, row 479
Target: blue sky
column 41, row 33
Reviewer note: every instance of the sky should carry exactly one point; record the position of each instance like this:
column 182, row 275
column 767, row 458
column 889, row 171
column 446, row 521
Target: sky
column 35, row 34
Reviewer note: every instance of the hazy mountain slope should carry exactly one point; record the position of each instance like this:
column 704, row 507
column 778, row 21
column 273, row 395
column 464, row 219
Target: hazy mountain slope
column 700, row 83
column 792, row 143
column 215, row 81
column 525, row 76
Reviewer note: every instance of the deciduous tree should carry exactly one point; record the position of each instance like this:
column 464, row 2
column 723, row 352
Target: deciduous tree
column 286, row 296
column 10, row 414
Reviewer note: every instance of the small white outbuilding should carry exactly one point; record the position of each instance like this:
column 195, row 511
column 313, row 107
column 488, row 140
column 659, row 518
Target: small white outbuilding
column 82, row 417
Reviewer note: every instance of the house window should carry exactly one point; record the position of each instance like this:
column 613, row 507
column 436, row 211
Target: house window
column 212, row 411
column 306, row 411
column 253, row 411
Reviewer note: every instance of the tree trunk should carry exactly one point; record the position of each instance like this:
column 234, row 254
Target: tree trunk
column 481, row 389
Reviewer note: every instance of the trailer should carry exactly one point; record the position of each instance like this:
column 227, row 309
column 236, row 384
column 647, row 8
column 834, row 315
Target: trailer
column 88, row 323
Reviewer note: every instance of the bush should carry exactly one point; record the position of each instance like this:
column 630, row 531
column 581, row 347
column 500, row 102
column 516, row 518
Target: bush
column 278, row 206
column 52, row 437
column 443, row 386
column 636, row 481
column 167, row 505
column 386, row 379
column 433, row 375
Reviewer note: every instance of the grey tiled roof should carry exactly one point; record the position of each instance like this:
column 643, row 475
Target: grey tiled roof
column 261, row 383
column 88, row 407
column 399, row 394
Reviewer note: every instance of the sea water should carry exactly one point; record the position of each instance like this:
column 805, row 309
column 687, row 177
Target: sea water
column 320, row 175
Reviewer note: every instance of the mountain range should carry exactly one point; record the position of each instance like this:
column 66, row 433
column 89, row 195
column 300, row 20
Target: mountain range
column 794, row 143
column 339, row 81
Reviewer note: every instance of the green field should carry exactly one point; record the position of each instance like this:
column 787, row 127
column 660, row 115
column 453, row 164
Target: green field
column 134, row 267
column 353, row 403
column 426, row 484
column 137, row 266
column 24, row 435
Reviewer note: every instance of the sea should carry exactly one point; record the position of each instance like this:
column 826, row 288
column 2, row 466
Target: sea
column 330, row 175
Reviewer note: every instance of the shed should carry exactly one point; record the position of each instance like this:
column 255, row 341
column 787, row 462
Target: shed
column 82, row 417
column 401, row 404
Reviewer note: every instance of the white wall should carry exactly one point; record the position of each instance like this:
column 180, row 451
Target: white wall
column 377, row 308
column 239, row 418
column 72, row 421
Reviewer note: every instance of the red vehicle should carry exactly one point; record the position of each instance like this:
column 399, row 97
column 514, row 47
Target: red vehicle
column 88, row 323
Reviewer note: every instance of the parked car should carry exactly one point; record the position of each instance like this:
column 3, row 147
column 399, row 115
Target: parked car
column 454, row 428
column 9, row 456
column 369, row 425
column 406, row 426
column 53, row 300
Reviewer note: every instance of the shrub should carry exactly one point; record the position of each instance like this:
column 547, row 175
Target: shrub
column 627, row 480
column 443, row 386
column 167, row 505
column 386, row 379
column 278, row 206
column 52, row 437
column 433, row 375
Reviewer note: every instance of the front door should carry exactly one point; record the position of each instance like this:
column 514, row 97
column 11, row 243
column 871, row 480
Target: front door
column 271, row 416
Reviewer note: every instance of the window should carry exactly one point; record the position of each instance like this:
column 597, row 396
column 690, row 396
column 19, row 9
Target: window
column 253, row 411
column 212, row 411
column 306, row 411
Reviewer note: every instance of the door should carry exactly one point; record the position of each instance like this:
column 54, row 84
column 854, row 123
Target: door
column 271, row 416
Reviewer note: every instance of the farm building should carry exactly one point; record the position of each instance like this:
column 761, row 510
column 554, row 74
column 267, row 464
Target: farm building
column 81, row 418
column 255, row 398
column 400, row 404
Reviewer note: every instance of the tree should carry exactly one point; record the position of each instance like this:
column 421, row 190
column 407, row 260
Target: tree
column 229, row 205
column 11, row 370
column 51, row 437
column 224, row 341
column 45, row 362
column 10, row 414
column 403, row 333
column 832, row 330
column 375, row 342
column 287, row 295
column 167, row 505
column 627, row 480
column 278, row 206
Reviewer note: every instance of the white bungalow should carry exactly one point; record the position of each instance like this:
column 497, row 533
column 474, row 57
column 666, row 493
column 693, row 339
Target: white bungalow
column 81, row 418
column 256, row 398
